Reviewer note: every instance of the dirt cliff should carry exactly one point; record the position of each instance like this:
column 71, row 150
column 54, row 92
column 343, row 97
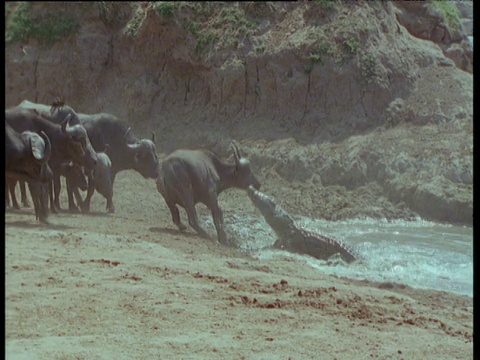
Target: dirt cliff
column 345, row 109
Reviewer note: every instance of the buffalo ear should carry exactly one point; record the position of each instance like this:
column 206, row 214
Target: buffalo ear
column 36, row 147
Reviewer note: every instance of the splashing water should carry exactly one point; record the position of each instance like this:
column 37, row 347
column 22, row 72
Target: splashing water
column 419, row 253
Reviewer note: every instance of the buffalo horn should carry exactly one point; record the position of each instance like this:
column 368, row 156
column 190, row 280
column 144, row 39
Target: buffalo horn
column 107, row 146
column 153, row 137
column 236, row 151
column 133, row 146
column 66, row 123
column 48, row 147
column 126, row 132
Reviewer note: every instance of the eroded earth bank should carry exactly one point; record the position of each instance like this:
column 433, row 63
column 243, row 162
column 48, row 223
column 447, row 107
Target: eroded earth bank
column 346, row 110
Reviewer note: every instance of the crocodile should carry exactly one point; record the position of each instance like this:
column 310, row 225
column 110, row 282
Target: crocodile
column 292, row 237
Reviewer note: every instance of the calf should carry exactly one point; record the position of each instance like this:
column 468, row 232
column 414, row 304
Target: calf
column 75, row 178
column 188, row 177
column 102, row 182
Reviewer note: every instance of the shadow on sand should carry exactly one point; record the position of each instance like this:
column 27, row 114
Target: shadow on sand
column 171, row 231
column 38, row 225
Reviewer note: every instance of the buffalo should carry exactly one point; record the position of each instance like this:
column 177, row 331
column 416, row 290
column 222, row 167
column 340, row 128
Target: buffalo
column 68, row 143
column 26, row 158
column 101, row 180
column 188, row 177
column 127, row 151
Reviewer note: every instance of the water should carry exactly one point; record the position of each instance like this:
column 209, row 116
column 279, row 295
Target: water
column 420, row 254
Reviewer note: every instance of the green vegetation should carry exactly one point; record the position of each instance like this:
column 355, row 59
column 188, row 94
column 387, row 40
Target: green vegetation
column 449, row 12
column 319, row 53
column 315, row 58
column 351, row 45
column 227, row 24
column 166, row 8
column 326, row 4
column 204, row 40
column 134, row 23
column 47, row 27
column 232, row 18
column 260, row 49
column 193, row 27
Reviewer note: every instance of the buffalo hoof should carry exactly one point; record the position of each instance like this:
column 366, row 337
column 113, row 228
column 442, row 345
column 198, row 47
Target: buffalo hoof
column 26, row 204
column 85, row 209
column 43, row 220
column 55, row 210
column 182, row 227
column 111, row 210
column 73, row 209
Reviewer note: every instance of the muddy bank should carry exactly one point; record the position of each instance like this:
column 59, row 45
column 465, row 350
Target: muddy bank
column 347, row 110
column 89, row 286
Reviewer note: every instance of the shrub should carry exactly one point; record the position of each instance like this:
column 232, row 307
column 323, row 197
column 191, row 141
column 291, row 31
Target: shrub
column 351, row 45
column 204, row 40
column 193, row 27
column 326, row 4
column 319, row 53
column 449, row 12
column 165, row 8
column 45, row 27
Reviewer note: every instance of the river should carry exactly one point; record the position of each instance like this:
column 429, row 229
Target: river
column 421, row 254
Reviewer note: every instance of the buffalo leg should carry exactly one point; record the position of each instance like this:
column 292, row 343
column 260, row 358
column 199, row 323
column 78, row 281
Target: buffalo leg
column 50, row 194
column 39, row 193
column 217, row 216
column 193, row 221
column 192, row 215
column 71, row 203
column 107, row 192
column 57, row 186
column 176, row 216
column 23, row 194
column 91, row 189
column 11, row 183
column 78, row 197
column 7, row 194
column 110, row 207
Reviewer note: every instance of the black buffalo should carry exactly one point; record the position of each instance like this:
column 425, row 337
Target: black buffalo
column 26, row 158
column 68, row 142
column 126, row 150
column 188, row 177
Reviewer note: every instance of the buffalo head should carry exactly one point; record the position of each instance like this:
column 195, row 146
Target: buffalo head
column 244, row 175
column 79, row 147
column 145, row 158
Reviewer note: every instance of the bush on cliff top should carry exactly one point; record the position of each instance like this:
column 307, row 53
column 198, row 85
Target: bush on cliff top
column 47, row 27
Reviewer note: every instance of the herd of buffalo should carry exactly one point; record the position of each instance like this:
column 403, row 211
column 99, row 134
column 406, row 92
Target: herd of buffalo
column 43, row 143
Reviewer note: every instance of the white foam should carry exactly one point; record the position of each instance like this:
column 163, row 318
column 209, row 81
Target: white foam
column 417, row 253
